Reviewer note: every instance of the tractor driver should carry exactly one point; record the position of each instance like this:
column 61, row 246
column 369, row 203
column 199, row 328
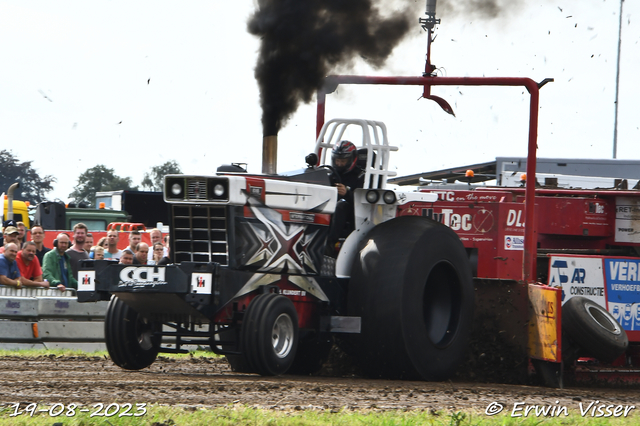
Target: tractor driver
column 343, row 159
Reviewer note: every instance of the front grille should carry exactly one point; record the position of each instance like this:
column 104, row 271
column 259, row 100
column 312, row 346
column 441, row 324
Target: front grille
column 196, row 189
column 200, row 234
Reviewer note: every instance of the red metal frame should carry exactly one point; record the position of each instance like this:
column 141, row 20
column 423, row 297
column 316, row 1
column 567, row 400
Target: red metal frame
column 530, row 239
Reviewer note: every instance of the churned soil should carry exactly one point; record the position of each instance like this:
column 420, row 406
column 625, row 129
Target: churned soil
column 210, row 382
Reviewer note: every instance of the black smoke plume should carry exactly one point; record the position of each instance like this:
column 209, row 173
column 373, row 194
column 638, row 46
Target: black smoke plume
column 305, row 40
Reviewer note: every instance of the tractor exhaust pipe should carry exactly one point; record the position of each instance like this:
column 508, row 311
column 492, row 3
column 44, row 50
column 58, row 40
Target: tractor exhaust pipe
column 270, row 154
column 10, row 200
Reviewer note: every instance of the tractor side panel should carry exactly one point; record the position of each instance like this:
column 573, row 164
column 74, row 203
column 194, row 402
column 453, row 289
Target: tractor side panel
column 280, row 241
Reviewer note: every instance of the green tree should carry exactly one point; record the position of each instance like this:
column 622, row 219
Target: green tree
column 33, row 188
column 153, row 180
column 99, row 178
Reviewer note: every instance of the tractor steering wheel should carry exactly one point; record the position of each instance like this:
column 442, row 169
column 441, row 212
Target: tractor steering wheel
column 335, row 176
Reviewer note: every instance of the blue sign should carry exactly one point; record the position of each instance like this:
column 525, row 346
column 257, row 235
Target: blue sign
column 621, row 276
column 622, row 279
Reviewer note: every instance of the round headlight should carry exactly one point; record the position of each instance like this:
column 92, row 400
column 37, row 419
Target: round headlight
column 372, row 196
column 176, row 189
column 218, row 190
column 389, row 197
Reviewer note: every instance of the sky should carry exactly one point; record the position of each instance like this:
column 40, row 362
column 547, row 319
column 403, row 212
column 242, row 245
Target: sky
column 133, row 84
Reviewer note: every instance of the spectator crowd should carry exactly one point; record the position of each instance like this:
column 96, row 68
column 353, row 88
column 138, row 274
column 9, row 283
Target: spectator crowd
column 31, row 264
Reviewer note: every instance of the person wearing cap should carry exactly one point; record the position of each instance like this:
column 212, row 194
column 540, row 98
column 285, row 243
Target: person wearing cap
column 8, row 222
column 9, row 271
column 10, row 234
column 56, row 266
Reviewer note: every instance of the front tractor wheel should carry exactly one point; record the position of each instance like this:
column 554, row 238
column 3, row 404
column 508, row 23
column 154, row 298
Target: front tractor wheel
column 270, row 334
column 130, row 338
column 412, row 286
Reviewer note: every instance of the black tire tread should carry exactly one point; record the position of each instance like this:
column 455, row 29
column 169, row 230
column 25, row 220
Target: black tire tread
column 249, row 332
column 266, row 366
column 406, row 247
column 255, row 334
column 121, row 339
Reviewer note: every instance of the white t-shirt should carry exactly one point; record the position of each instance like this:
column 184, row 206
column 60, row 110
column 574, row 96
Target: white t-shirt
column 116, row 256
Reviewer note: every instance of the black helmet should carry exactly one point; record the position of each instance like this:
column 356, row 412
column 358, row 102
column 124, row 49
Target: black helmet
column 344, row 150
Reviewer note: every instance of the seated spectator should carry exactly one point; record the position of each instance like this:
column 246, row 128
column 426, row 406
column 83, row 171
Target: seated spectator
column 76, row 252
column 29, row 266
column 97, row 253
column 56, row 267
column 9, row 271
column 37, row 236
column 88, row 242
column 127, row 257
column 10, row 234
column 142, row 250
column 112, row 251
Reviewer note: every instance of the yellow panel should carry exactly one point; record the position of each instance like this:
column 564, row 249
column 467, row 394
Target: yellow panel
column 544, row 323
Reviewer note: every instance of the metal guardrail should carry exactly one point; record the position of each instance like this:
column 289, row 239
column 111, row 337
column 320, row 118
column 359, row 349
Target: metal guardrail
column 49, row 319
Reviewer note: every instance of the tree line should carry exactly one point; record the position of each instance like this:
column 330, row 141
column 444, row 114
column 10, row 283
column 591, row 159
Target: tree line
column 34, row 188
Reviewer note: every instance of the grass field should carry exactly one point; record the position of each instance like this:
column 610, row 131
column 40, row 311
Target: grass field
column 239, row 415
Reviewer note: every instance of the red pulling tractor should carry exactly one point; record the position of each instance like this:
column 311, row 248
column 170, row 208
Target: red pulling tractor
column 250, row 278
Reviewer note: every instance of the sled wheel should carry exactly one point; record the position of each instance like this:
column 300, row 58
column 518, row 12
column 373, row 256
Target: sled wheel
column 412, row 286
column 312, row 353
column 270, row 334
column 130, row 338
column 593, row 329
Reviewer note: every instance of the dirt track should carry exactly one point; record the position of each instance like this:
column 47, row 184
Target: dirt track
column 210, row 382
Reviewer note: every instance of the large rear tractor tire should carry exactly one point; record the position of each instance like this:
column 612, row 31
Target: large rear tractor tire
column 594, row 330
column 130, row 338
column 269, row 334
column 412, row 286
